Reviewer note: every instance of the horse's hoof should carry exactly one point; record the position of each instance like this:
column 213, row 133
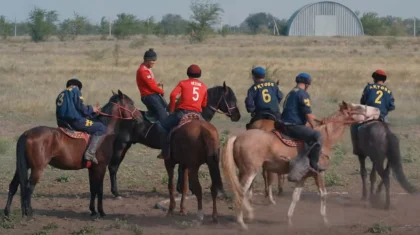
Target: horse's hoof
column 6, row 212
column 169, row 214
column 215, row 220
column 290, row 222
column 102, row 214
column 93, row 213
column 183, row 212
column 272, row 202
column 200, row 215
column 118, row 197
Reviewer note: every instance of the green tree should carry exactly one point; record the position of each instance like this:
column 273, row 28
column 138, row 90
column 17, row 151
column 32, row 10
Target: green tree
column 264, row 23
column 204, row 16
column 42, row 24
column 372, row 24
column 5, row 27
column 172, row 24
column 126, row 25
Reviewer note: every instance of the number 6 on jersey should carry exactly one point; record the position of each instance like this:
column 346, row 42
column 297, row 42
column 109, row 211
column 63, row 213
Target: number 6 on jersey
column 266, row 96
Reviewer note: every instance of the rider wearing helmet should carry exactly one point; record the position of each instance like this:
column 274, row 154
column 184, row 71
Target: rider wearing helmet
column 263, row 97
column 151, row 93
column 193, row 98
column 71, row 110
column 296, row 113
column 376, row 95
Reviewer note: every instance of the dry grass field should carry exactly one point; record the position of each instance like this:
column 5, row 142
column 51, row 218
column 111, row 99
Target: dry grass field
column 31, row 76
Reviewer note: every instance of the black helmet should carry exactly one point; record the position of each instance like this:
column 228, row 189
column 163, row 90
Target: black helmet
column 74, row 82
column 303, row 78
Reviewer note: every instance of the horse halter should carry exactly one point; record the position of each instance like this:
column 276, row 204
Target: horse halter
column 120, row 116
column 216, row 109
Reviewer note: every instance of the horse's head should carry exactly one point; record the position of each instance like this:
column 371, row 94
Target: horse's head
column 358, row 112
column 124, row 108
column 223, row 98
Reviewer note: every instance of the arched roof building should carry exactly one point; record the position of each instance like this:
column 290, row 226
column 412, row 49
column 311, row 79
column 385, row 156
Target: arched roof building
column 324, row 19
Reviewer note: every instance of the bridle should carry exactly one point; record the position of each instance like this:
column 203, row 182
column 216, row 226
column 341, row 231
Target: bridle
column 120, row 112
column 216, row 109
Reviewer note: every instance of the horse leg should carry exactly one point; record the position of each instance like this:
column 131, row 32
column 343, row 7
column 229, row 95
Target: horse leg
column 120, row 149
column 319, row 180
column 386, row 182
column 169, row 165
column 378, row 166
column 280, row 179
column 33, row 180
column 100, row 173
column 295, row 199
column 13, row 187
column 246, row 181
column 196, row 187
column 372, row 179
column 363, row 174
column 265, row 177
column 184, row 189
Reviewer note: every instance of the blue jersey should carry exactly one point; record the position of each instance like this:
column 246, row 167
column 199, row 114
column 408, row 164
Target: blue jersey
column 69, row 105
column 378, row 96
column 263, row 96
column 296, row 105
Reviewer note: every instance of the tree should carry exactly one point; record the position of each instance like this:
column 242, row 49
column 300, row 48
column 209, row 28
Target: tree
column 172, row 24
column 42, row 24
column 264, row 23
column 5, row 27
column 204, row 16
column 372, row 24
column 126, row 25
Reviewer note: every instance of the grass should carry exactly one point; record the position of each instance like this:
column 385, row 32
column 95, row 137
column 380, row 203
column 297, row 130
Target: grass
column 32, row 74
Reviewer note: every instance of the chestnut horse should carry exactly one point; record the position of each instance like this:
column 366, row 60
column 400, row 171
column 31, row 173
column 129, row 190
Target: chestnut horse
column 193, row 143
column 220, row 99
column 41, row 146
column 275, row 156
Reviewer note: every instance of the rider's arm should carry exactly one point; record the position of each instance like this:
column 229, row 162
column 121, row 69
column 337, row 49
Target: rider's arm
column 86, row 110
column 204, row 103
column 176, row 91
column 391, row 104
column 149, row 81
column 279, row 95
column 249, row 101
column 363, row 99
column 305, row 103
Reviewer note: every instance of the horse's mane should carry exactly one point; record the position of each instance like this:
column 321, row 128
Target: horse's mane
column 333, row 116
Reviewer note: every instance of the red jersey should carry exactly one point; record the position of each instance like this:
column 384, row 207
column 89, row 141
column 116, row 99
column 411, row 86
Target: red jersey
column 193, row 95
column 146, row 82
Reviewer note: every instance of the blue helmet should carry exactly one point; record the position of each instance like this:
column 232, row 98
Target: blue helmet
column 304, row 78
column 258, row 72
column 74, row 82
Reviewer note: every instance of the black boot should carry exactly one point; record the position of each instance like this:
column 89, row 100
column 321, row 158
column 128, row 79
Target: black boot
column 314, row 158
column 90, row 154
column 164, row 143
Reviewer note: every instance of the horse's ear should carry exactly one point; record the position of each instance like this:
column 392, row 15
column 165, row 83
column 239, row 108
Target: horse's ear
column 120, row 93
column 113, row 93
column 278, row 82
column 225, row 88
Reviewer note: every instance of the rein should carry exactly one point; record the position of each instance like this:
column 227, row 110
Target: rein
column 216, row 109
column 119, row 109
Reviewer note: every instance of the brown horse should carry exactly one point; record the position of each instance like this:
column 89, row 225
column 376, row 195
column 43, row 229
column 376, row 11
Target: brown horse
column 63, row 148
column 275, row 156
column 192, row 143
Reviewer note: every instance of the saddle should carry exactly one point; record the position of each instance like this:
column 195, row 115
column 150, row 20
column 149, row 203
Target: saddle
column 149, row 116
column 279, row 131
column 367, row 123
column 70, row 132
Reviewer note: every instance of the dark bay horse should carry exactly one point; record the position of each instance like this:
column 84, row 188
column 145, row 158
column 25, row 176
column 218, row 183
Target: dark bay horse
column 256, row 148
column 221, row 99
column 192, row 144
column 375, row 139
column 41, row 146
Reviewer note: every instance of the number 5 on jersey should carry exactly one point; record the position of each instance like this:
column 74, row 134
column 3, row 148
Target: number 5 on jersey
column 196, row 95
column 266, row 96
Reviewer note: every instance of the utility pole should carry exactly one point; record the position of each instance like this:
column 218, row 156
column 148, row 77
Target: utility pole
column 414, row 28
column 109, row 26
column 15, row 27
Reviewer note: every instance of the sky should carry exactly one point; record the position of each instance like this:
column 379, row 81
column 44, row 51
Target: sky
column 235, row 11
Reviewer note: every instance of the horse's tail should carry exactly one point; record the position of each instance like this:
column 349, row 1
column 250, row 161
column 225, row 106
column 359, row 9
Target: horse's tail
column 22, row 169
column 229, row 171
column 394, row 158
column 213, row 151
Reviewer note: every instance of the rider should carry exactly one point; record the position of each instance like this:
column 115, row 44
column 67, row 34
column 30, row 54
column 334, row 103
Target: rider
column 151, row 93
column 263, row 97
column 296, row 113
column 71, row 110
column 376, row 95
column 193, row 98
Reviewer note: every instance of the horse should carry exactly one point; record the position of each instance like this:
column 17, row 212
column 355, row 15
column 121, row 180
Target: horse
column 193, row 143
column 63, row 148
column 375, row 139
column 221, row 99
column 243, row 152
column 267, row 125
